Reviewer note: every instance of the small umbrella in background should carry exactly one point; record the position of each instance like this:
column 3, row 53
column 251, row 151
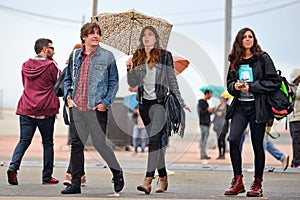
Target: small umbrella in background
column 122, row 30
column 180, row 64
column 216, row 90
column 130, row 101
column 226, row 95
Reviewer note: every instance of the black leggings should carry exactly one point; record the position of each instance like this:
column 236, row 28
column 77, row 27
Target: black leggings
column 154, row 118
column 244, row 114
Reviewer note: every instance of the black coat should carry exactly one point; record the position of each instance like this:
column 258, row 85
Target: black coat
column 265, row 80
column 165, row 78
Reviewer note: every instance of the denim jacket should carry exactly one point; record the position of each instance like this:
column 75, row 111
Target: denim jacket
column 103, row 77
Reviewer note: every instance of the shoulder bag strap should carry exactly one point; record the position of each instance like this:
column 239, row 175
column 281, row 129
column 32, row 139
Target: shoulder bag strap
column 73, row 60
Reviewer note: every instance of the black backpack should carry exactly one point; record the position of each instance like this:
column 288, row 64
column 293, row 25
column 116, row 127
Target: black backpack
column 281, row 100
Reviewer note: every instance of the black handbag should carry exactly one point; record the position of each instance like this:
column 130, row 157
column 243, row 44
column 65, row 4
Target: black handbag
column 59, row 84
column 231, row 108
column 174, row 114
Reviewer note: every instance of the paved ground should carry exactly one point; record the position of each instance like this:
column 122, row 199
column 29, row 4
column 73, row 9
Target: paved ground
column 193, row 178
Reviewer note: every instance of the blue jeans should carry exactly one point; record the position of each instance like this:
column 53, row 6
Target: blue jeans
column 139, row 137
column 28, row 126
column 271, row 148
column 204, row 136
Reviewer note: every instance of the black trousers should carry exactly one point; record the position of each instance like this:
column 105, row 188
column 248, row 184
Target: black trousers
column 83, row 124
column 154, row 117
column 244, row 114
column 295, row 134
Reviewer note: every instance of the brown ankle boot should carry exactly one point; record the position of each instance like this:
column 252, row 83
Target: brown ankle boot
column 162, row 185
column 255, row 190
column 237, row 186
column 146, row 185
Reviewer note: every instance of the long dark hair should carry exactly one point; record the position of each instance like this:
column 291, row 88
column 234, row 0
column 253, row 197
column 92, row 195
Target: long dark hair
column 139, row 56
column 238, row 51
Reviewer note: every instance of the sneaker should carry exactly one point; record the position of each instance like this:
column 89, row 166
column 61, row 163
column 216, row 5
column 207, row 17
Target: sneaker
column 285, row 162
column 118, row 181
column 205, row 158
column 68, row 179
column 12, row 176
column 51, row 181
column 170, row 173
column 83, row 180
column 71, row 189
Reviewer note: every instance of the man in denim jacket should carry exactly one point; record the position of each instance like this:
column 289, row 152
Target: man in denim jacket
column 90, row 86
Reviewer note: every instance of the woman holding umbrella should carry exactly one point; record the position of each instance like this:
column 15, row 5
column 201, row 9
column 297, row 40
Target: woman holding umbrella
column 251, row 76
column 152, row 70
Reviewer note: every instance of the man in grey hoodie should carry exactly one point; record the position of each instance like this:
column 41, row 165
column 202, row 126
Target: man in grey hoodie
column 294, row 119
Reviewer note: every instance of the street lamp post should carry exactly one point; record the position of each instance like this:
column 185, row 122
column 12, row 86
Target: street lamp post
column 95, row 2
column 228, row 17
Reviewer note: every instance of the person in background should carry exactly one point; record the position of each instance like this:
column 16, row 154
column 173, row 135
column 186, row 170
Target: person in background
column 221, row 126
column 294, row 118
column 139, row 135
column 251, row 76
column 152, row 70
column 204, row 112
column 89, row 95
column 68, row 177
column 272, row 149
column 37, row 108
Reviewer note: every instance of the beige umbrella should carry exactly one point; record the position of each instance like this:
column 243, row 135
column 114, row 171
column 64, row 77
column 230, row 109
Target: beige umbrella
column 122, row 30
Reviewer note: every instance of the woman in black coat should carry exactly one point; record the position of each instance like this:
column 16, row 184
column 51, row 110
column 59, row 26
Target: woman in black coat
column 251, row 76
column 152, row 70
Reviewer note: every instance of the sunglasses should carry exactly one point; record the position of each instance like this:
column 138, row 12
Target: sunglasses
column 51, row 48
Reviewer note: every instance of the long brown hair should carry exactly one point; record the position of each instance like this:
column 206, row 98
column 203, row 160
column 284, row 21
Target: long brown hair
column 238, row 51
column 140, row 56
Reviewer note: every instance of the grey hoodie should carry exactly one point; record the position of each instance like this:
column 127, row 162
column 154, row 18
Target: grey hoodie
column 295, row 116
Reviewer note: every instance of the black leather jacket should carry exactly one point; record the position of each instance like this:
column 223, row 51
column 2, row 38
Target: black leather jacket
column 266, row 80
column 165, row 78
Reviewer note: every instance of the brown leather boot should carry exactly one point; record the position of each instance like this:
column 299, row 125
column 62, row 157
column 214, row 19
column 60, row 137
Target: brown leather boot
column 162, row 185
column 146, row 185
column 237, row 186
column 255, row 190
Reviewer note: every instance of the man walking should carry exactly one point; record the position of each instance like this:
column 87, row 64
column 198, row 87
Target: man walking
column 204, row 112
column 37, row 108
column 294, row 118
column 91, row 84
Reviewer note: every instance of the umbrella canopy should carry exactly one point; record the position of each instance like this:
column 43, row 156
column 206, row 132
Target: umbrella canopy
column 180, row 64
column 122, row 30
column 226, row 95
column 130, row 101
column 217, row 90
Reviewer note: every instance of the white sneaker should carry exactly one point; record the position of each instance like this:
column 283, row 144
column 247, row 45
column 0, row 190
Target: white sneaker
column 285, row 162
column 170, row 173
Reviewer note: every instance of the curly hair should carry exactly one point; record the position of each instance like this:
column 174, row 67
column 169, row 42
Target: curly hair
column 140, row 57
column 238, row 51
